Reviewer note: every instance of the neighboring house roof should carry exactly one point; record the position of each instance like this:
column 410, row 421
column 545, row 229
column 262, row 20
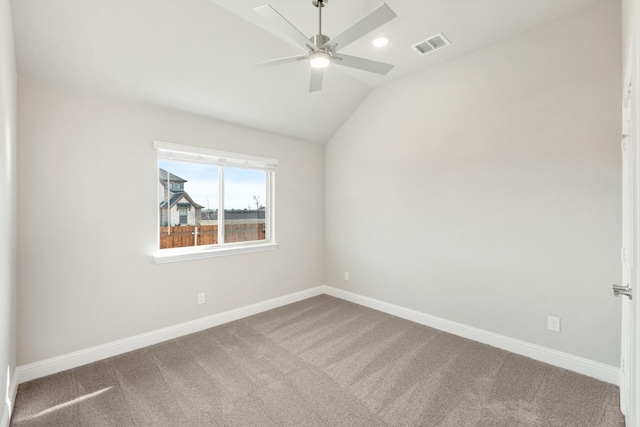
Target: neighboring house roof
column 172, row 177
column 176, row 197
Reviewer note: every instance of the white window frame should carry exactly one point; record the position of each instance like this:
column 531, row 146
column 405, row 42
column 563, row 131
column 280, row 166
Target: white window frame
column 179, row 152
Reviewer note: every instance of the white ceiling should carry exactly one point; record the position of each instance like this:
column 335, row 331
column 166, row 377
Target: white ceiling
column 198, row 55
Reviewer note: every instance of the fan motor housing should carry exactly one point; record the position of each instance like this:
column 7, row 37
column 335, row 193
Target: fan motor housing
column 319, row 39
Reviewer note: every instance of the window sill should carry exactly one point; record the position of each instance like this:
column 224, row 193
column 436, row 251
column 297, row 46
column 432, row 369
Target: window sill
column 188, row 254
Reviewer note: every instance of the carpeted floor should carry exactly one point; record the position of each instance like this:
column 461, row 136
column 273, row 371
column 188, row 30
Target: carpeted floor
column 318, row 362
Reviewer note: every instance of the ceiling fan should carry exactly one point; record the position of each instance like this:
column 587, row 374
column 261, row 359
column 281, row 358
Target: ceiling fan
column 320, row 50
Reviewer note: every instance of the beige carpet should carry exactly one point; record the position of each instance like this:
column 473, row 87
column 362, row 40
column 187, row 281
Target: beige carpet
column 319, row 362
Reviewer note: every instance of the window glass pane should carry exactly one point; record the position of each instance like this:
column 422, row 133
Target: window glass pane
column 183, row 216
column 188, row 197
column 245, row 198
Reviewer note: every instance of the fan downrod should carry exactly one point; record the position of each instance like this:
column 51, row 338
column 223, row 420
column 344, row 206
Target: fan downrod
column 319, row 39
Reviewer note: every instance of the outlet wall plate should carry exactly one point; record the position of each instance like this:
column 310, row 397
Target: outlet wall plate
column 553, row 323
column 201, row 298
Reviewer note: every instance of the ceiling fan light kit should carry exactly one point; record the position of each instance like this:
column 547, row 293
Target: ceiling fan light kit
column 320, row 59
column 321, row 50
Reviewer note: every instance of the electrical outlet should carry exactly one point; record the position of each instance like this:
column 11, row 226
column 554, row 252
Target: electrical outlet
column 553, row 323
column 346, row 275
column 201, row 298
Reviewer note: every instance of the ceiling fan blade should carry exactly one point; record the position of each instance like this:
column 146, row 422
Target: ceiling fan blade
column 361, row 64
column 370, row 22
column 286, row 28
column 316, row 79
column 279, row 61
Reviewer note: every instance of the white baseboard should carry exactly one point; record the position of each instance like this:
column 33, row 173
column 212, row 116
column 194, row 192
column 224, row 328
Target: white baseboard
column 567, row 361
column 73, row 360
column 8, row 405
column 577, row 364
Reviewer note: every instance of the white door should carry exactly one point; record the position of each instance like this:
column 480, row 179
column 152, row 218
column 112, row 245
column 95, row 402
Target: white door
column 629, row 363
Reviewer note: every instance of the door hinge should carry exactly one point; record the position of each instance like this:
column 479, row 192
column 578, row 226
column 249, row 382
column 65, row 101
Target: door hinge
column 623, row 143
column 623, row 255
column 622, row 290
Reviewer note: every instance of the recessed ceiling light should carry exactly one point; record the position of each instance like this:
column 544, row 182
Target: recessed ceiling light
column 380, row 41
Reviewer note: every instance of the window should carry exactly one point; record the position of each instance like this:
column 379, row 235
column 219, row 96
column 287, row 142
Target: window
column 213, row 203
column 183, row 215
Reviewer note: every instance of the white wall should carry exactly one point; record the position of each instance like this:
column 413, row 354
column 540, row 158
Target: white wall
column 90, row 279
column 487, row 190
column 8, row 270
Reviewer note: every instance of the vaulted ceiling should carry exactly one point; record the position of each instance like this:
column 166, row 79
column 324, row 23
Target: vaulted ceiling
column 199, row 56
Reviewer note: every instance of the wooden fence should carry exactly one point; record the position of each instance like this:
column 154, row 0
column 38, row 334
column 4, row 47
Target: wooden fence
column 189, row 235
